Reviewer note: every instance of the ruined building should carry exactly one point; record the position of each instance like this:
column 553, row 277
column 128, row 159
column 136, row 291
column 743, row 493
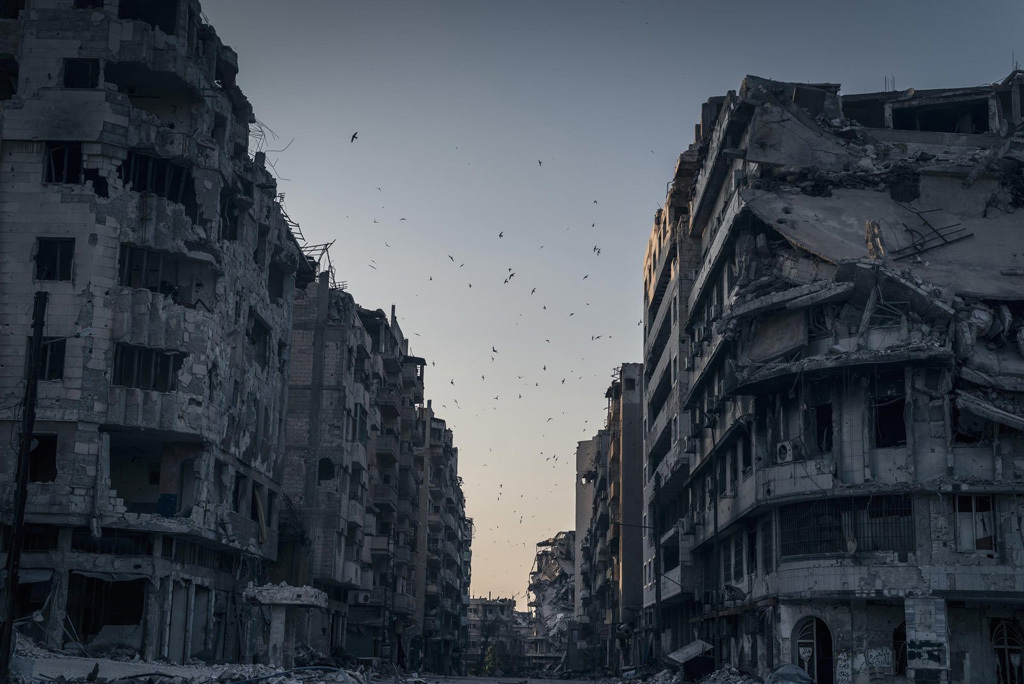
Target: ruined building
column 131, row 196
column 331, row 414
column 553, row 601
column 495, row 642
column 834, row 296
column 610, row 528
column 448, row 537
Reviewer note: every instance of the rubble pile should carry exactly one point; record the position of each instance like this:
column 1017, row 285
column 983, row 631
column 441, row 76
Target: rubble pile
column 729, row 675
column 552, row 584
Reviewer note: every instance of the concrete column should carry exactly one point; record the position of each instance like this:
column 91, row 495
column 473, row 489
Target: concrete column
column 927, row 640
column 277, row 636
column 58, row 607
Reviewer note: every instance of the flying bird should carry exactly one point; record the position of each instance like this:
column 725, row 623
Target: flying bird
column 533, row 290
column 540, row 163
column 355, row 136
column 452, row 258
column 494, row 350
column 501, row 235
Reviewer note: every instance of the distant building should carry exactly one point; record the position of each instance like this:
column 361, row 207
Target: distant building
column 495, row 632
column 553, row 592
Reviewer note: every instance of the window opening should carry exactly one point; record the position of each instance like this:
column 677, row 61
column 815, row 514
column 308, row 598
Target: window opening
column 89, row 4
column 81, row 73
column 185, row 281
column 8, row 77
column 162, row 14
column 162, row 178
column 767, row 545
column 9, row 9
column 275, row 282
column 848, row 525
column 258, row 334
column 42, row 459
column 63, row 163
column 975, row 523
column 146, row 368
column 752, row 551
column 1008, row 645
column 54, row 257
column 325, row 470
column 812, row 649
column 823, row 428
column 888, row 406
column 737, row 557
column 51, row 358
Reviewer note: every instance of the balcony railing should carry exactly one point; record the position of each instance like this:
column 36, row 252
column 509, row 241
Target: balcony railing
column 385, row 495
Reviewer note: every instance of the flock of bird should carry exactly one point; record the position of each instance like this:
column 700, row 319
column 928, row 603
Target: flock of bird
column 523, row 507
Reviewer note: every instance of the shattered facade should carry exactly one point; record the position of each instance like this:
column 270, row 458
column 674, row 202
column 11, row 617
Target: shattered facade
column 553, row 588
column 609, row 528
column 495, row 642
column 168, row 514
column 131, row 196
column 331, row 415
column 448, row 535
column 834, row 483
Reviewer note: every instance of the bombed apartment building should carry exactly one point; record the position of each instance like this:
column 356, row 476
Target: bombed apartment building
column 330, row 415
column 834, row 419
column 495, row 643
column 383, row 615
column 553, row 601
column 609, row 517
column 130, row 195
column 447, row 535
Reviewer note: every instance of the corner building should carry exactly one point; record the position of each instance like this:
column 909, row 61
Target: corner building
column 129, row 194
column 835, row 483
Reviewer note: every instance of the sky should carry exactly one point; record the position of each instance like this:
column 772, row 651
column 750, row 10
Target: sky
column 536, row 138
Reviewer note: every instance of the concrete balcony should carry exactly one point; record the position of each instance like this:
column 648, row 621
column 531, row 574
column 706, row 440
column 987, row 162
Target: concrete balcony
column 387, row 447
column 403, row 554
column 351, row 574
column 385, row 496
column 356, row 513
column 379, row 545
column 449, row 520
column 389, row 401
column 403, row 603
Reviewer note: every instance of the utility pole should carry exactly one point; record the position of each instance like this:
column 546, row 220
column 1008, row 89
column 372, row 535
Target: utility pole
column 655, row 531
column 21, row 487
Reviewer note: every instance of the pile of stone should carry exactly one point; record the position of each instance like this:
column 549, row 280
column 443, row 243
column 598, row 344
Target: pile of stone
column 729, row 675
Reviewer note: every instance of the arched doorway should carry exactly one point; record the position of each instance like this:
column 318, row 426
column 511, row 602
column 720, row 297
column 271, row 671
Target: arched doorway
column 1008, row 645
column 899, row 649
column 812, row 649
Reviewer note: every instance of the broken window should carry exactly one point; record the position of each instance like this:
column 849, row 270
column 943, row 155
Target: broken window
column 9, row 9
column 95, row 604
column 962, row 116
column 42, row 459
column 241, row 494
column 848, row 525
column 888, row 410
column 112, row 541
column 162, row 14
column 40, row 538
column 1008, row 644
column 325, row 470
column 63, row 162
column 189, row 282
column 8, row 77
column 746, row 455
column 258, row 334
column 146, row 368
column 89, row 4
column 975, row 523
column 160, row 177
column 275, row 282
column 54, row 257
column 967, row 427
column 726, row 563
column 81, row 73
column 230, row 213
column 822, row 418
column 51, row 358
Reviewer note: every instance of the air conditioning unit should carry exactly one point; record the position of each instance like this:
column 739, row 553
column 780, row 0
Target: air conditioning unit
column 359, row 598
column 688, row 364
column 716, row 311
column 698, row 518
column 690, row 444
column 714, row 404
column 787, row 452
column 686, row 524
